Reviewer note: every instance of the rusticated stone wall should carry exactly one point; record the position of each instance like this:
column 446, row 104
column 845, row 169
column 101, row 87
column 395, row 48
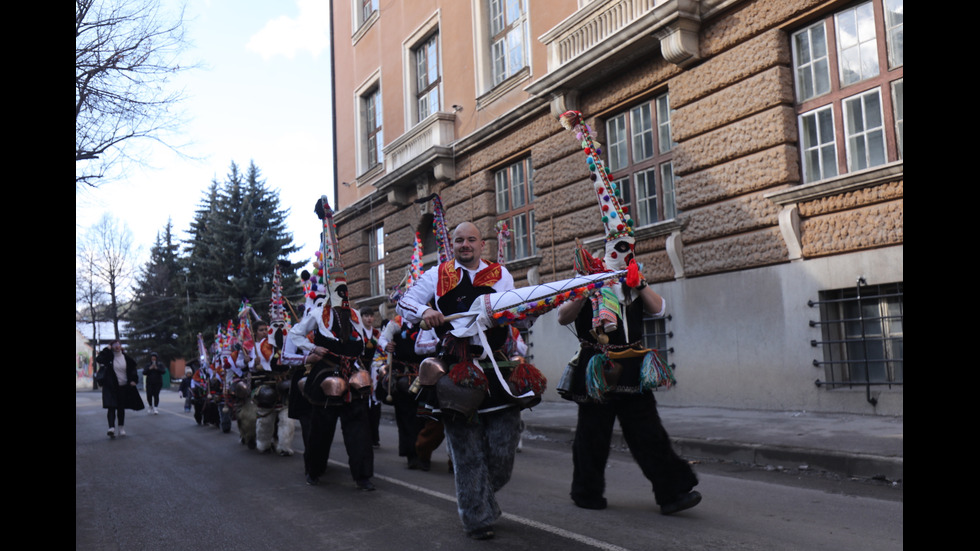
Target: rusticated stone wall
column 734, row 122
column 862, row 219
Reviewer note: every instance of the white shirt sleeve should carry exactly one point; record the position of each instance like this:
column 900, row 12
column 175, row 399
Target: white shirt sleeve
column 414, row 303
column 297, row 335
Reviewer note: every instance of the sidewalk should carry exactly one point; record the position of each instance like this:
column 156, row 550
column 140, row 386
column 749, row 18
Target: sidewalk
column 849, row 445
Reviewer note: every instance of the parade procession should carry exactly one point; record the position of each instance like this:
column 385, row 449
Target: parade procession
column 549, row 274
column 450, row 361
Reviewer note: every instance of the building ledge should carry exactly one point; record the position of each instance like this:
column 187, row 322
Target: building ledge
column 839, row 184
column 426, row 147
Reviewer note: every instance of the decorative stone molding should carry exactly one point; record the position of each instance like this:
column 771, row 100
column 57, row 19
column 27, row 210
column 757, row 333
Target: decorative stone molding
column 679, row 42
column 789, row 226
column 562, row 101
column 675, row 252
column 789, row 199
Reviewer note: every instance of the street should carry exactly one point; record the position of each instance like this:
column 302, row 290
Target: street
column 173, row 484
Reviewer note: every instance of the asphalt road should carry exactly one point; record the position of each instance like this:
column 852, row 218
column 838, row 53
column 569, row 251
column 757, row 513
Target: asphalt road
column 171, row 484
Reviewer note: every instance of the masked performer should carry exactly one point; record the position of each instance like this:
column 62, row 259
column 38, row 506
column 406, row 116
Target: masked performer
column 615, row 376
column 274, row 428
column 337, row 386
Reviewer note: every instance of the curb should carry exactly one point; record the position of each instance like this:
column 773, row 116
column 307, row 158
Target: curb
column 846, row 464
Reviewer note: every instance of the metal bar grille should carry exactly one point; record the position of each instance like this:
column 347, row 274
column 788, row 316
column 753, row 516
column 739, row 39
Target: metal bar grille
column 862, row 333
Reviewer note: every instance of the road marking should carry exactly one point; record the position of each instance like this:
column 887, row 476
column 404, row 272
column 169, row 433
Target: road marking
column 525, row 521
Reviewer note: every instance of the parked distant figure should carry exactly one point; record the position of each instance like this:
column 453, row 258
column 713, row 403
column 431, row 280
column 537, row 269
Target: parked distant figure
column 117, row 371
column 154, row 382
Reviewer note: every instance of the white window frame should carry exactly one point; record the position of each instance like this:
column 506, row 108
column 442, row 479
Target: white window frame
column 410, row 47
column 362, row 96
column 639, row 155
column 848, row 78
column 515, row 205
column 376, row 260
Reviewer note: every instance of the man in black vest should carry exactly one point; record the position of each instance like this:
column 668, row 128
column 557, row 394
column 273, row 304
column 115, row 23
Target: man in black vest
column 484, row 443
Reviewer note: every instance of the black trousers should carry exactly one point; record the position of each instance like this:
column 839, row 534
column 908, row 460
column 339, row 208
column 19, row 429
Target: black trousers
column 355, row 426
column 408, row 422
column 648, row 442
column 153, row 393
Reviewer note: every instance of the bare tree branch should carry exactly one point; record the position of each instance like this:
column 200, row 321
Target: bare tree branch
column 125, row 59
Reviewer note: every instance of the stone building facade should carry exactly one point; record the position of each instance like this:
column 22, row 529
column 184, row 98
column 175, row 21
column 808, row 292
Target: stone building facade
column 784, row 290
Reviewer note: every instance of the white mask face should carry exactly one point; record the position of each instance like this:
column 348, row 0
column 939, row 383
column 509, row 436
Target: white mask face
column 619, row 252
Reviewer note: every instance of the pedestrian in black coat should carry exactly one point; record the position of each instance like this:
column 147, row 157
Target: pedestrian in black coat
column 154, row 382
column 118, row 375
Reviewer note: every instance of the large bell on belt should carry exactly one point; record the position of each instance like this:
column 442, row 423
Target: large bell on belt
column 283, row 387
column 333, row 386
column 266, row 397
column 325, row 388
column 239, row 389
column 360, row 382
column 431, row 370
column 457, row 398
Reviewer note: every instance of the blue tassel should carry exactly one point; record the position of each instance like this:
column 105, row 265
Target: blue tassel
column 655, row 373
column 595, row 382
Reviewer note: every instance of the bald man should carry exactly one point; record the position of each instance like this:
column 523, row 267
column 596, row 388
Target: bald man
column 482, row 445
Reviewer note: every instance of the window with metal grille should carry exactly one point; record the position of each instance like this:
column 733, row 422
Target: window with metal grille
column 655, row 336
column 862, row 335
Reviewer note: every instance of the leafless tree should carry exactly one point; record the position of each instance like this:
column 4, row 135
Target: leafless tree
column 126, row 55
column 107, row 264
column 88, row 291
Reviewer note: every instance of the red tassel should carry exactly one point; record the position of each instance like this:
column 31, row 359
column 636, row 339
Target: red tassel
column 633, row 277
column 466, row 375
column 527, row 377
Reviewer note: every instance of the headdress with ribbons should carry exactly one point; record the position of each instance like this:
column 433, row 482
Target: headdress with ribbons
column 617, row 222
column 331, row 273
column 441, row 230
column 277, row 304
column 503, row 236
column 412, row 273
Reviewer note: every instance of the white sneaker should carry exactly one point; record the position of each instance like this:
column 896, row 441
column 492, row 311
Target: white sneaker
column 122, row 431
column 112, row 432
column 156, row 411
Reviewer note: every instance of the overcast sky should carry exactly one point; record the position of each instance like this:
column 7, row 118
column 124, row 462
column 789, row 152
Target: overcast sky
column 263, row 95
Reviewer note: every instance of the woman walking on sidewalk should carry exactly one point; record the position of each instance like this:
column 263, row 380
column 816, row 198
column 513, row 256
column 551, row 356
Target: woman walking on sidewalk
column 118, row 379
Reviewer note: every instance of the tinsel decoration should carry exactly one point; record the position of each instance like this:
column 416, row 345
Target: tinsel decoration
column 585, row 263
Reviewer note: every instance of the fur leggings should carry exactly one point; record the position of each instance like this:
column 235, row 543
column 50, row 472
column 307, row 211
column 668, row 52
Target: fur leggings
column 483, row 457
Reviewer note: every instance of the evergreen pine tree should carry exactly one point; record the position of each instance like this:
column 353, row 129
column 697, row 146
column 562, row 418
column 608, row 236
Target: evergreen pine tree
column 237, row 237
column 155, row 318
